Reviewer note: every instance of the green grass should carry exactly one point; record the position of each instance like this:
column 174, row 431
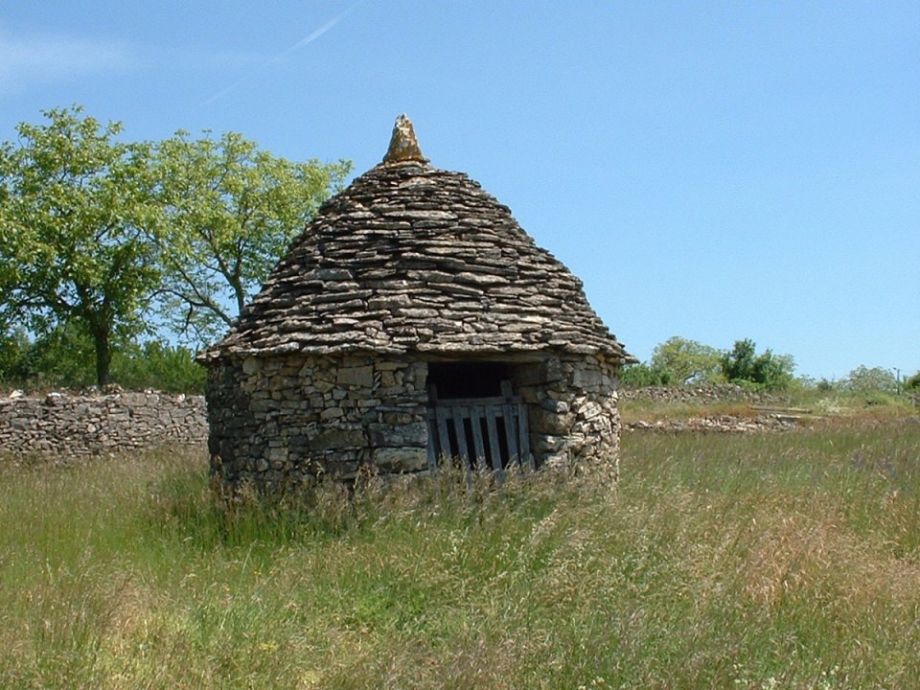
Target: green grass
column 728, row 561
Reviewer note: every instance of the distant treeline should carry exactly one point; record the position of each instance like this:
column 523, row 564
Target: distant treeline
column 679, row 361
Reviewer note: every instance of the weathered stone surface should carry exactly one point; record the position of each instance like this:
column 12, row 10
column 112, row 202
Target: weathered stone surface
column 406, row 259
column 401, row 459
column 339, row 438
column 403, row 144
column 66, row 425
column 697, row 394
column 718, row 423
column 355, row 376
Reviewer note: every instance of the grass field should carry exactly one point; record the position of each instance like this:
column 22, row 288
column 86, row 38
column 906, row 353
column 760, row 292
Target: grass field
column 785, row 560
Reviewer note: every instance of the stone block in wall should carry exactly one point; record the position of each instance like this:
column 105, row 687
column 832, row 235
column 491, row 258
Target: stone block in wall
column 557, row 406
column 396, row 418
column 528, row 374
column 590, row 379
column 334, row 439
column 554, row 371
column 548, row 444
column 331, row 413
column 387, row 435
column 361, row 377
column 590, row 410
column 400, row 459
column 545, row 422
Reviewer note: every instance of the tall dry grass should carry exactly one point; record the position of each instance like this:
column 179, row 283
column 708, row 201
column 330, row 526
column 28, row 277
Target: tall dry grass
column 764, row 561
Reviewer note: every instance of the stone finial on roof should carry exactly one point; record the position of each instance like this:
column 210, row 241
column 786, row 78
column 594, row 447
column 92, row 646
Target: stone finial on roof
column 403, row 144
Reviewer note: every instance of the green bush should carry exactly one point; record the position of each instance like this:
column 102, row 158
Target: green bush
column 767, row 370
column 64, row 358
column 865, row 379
column 13, row 347
column 641, row 375
column 169, row 368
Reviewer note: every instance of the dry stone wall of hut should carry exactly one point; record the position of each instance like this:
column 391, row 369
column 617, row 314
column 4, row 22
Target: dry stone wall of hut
column 285, row 420
column 60, row 425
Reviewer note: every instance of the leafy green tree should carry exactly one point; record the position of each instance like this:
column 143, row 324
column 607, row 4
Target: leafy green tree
column 76, row 219
column 738, row 365
column 13, row 348
column 641, row 375
column 743, row 364
column 875, row 379
column 686, row 361
column 158, row 365
column 232, row 210
column 913, row 382
column 64, row 358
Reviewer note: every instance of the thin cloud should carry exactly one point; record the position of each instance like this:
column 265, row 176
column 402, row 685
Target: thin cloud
column 280, row 57
column 42, row 58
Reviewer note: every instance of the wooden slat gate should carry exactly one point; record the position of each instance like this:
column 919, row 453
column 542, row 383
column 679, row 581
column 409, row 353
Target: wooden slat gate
column 482, row 432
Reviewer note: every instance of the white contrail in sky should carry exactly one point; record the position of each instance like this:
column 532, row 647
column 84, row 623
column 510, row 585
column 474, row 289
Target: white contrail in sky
column 306, row 40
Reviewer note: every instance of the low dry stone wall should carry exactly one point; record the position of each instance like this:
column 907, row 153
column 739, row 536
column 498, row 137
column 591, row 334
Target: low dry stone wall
column 718, row 423
column 695, row 394
column 64, row 426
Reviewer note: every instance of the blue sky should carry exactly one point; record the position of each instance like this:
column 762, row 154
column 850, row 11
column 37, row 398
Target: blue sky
column 711, row 170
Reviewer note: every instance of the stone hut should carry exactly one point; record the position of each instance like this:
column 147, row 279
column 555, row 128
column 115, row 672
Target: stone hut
column 412, row 320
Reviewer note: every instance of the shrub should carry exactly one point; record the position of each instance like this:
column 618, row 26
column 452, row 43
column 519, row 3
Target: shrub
column 864, row 379
column 157, row 365
column 768, row 370
column 64, row 358
column 641, row 375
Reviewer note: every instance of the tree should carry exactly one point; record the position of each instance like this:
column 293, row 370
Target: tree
column 738, row 365
column 913, row 382
column 60, row 357
column 76, row 218
column 232, row 211
column 875, row 379
column 63, row 357
column 13, row 348
column 641, row 375
column 686, row 361
column 769, row 370
column 159, row 365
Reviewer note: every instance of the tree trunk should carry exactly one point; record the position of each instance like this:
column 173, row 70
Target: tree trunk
column 239, row 293
column 103, row 356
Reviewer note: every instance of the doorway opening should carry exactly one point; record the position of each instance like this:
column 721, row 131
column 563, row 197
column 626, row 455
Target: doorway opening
column 474, row 416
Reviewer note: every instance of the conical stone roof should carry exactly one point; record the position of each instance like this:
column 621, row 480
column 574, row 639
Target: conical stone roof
column 410, row 258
